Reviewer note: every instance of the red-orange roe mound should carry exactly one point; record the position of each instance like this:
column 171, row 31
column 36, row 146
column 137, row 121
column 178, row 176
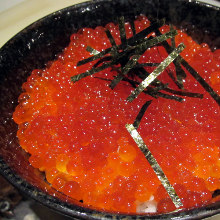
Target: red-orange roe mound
column 75, row 132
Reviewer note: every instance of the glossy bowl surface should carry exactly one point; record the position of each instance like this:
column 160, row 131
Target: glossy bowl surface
column 40, row 42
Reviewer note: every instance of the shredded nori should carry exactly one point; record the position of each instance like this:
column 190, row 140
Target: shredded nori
column 127, row 54
column 121, row 22
column 102, row 60
column 138, row 49
column 171, row 75
column 154, row 92
column 154, row 164
column 173, row 44
column 92, row 51
column 95, row 57
column 110, row 37
column 147, row 43
column 184, row 93
column 92, row 71
column 191, row 70
column 156, row 72
column 131, row 41
column 142, row 34
column 172, row 97
column 202, row 82
column 146, row 64
column 130, row 64
column 133, row 27
column 180, row 73
column 141, row 114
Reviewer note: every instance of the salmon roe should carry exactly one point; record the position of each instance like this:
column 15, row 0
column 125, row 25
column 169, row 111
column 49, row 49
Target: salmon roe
column 75, row 132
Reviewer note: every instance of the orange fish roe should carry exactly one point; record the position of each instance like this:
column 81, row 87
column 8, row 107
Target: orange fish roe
column 75, row 132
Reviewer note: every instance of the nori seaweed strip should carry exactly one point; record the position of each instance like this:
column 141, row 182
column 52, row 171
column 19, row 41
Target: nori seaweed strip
column 157, row 83
column 180, row 73
column 98, row 69
column 184, row 93
column 193, row 72
column 95, row 57
column 147, row 43
column 202, row 82
column 156, row 72
column 142, row 75
column 113, row 51
column 129, row 65
column 142, row 45
column 121, row 23
column 171, row 75
column 173, row 44
column 158, row 87
column 154, row 92
column 146, row 64
column 149, row 92
column 92, row 51
column 141, row 114
column 133, row 27
column 142, row 34
column 92, row 71
column 140, row 49
column 158, row 33
column 114, row 60
column 154, row 164
column 130, row 41
column 107, row 58
column 105, row 79
column 111, row 39
column 161, row 86
column 172, row 97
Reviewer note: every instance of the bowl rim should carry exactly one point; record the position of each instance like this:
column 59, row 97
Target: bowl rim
column 73, row 210
column 88, row 2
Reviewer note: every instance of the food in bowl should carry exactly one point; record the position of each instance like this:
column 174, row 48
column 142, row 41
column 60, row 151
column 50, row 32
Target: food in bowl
column 75, row 118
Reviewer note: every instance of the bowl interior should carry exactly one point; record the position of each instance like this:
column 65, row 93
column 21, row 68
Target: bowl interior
column 41, row 42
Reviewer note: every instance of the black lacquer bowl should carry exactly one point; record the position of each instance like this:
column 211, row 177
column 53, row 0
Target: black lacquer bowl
column 40, row 42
